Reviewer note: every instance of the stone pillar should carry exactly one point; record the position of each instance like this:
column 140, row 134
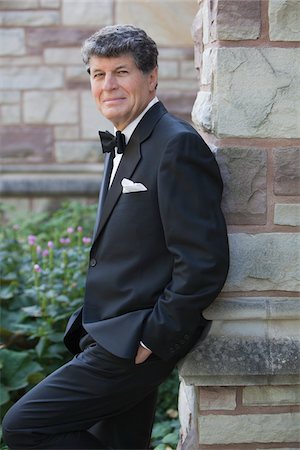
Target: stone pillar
column 240, row 386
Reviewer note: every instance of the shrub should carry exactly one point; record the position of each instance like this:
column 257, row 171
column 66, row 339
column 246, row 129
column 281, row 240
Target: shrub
column 44, row 261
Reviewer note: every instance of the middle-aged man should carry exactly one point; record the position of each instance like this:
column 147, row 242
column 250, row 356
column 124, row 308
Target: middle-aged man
column 159, row 257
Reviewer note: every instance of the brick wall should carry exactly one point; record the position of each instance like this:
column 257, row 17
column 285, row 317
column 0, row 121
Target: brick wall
column 240, row 386
column 49, row 143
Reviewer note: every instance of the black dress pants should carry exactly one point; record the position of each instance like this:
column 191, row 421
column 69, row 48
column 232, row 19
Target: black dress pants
column 95, row 401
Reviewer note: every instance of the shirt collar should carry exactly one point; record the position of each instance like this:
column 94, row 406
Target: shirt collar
column 132, row 126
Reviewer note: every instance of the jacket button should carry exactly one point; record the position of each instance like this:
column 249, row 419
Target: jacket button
column 93, row 262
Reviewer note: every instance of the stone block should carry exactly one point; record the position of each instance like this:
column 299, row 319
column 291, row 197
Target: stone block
column 52, row 37
column 31, row 78
column 168, row 69
column 271, row 395
column 178, row 104
column 64, row 56
column 91, row 119
column 242, row 429
column 202, row 111
column 67, row 132
column 287, row 214
column 188, row 70
column 244, row 173
column 19, row 61
column 93, row 13
column 74, row 151
column 263, row 262
column 256, row 93
column 50, row 4
column 30, row 18
column 236, row 20
column 26, row 143
column 10, row 114
column 287, row 171
column 12, row 42
column 19, row 4
column 9, row 97
column 220, row 398
column 77, row 75
column 166, row 21
column 51, row 107
column 188, row 409
column 284, row 20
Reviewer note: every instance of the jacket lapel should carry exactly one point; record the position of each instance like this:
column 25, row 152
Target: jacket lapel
column 128, row 163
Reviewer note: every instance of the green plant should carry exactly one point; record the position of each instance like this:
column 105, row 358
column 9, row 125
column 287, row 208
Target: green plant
column 44, row 261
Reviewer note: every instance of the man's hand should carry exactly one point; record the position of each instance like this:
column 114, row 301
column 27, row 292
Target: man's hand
column 142, row 354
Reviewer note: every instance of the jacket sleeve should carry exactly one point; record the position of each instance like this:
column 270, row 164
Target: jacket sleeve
column 189, row 195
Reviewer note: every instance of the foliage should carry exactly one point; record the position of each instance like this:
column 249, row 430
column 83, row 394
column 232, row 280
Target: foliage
column 43, row 261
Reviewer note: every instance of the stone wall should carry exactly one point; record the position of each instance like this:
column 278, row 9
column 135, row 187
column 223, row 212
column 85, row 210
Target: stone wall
column 49, row 139
column 240, row 386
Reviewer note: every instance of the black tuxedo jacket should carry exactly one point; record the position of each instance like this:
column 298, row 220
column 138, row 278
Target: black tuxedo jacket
column 159, row 257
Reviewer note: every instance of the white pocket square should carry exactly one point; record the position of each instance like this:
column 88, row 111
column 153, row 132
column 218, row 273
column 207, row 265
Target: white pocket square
column 130, row 186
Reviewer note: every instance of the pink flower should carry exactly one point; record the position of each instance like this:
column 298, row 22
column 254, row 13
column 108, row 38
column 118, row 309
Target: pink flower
column 50, row 244
column 31, row 239
column 38, row 249
column 86, row 240
column 79, row 228
column 70, row 230
column 65, row 241
column 45, row 252
column 37, row 268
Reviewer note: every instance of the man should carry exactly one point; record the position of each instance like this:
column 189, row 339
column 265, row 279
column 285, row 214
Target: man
column 159, row 257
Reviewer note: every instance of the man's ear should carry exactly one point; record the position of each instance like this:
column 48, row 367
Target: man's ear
column 153, row 79
column 88, row 71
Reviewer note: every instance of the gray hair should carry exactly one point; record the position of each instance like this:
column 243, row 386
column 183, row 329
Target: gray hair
column 117, row 40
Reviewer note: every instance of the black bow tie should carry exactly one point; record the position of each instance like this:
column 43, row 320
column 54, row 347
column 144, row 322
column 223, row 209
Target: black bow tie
column 110, row 142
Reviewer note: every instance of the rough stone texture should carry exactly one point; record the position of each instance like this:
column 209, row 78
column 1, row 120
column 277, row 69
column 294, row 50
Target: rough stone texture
column 74, row 151
column 67, row 132
column 287, row 214
column 31, row 78
column 235, row 20
column 18, row 61
column 256, row 93
column 159, row 19
column 87, row 12
column 51, row 107
column 8, row 97
column 202, row 111
column 271, row 395
column 287, row 171
column 284, row 20
column 244, row 173
column 188, row 409
column 12, row 42
column 264, row 262
column 221, row 398
column 30, row 143
column 247, row 428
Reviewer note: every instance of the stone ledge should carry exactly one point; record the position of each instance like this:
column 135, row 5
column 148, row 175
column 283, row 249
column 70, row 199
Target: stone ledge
column 50, row 180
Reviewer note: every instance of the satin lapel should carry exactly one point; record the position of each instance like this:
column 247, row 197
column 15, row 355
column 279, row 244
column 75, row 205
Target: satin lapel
column 125, row 170
column 129, row 161
column 103, row 190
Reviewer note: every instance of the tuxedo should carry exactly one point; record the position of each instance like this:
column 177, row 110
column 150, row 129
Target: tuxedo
column 159, row 257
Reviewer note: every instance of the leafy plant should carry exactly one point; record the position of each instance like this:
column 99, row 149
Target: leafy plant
column 44, row 261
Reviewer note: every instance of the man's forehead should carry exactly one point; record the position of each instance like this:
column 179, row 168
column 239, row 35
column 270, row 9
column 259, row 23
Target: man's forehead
column 102, row 62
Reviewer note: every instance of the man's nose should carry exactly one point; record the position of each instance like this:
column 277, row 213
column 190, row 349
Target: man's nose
column 110, row 82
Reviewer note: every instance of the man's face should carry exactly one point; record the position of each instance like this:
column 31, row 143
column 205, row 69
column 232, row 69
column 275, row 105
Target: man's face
column 120, row 89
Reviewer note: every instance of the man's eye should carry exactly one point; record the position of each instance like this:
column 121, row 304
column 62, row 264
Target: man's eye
column 122, row 72
column 98, row 75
